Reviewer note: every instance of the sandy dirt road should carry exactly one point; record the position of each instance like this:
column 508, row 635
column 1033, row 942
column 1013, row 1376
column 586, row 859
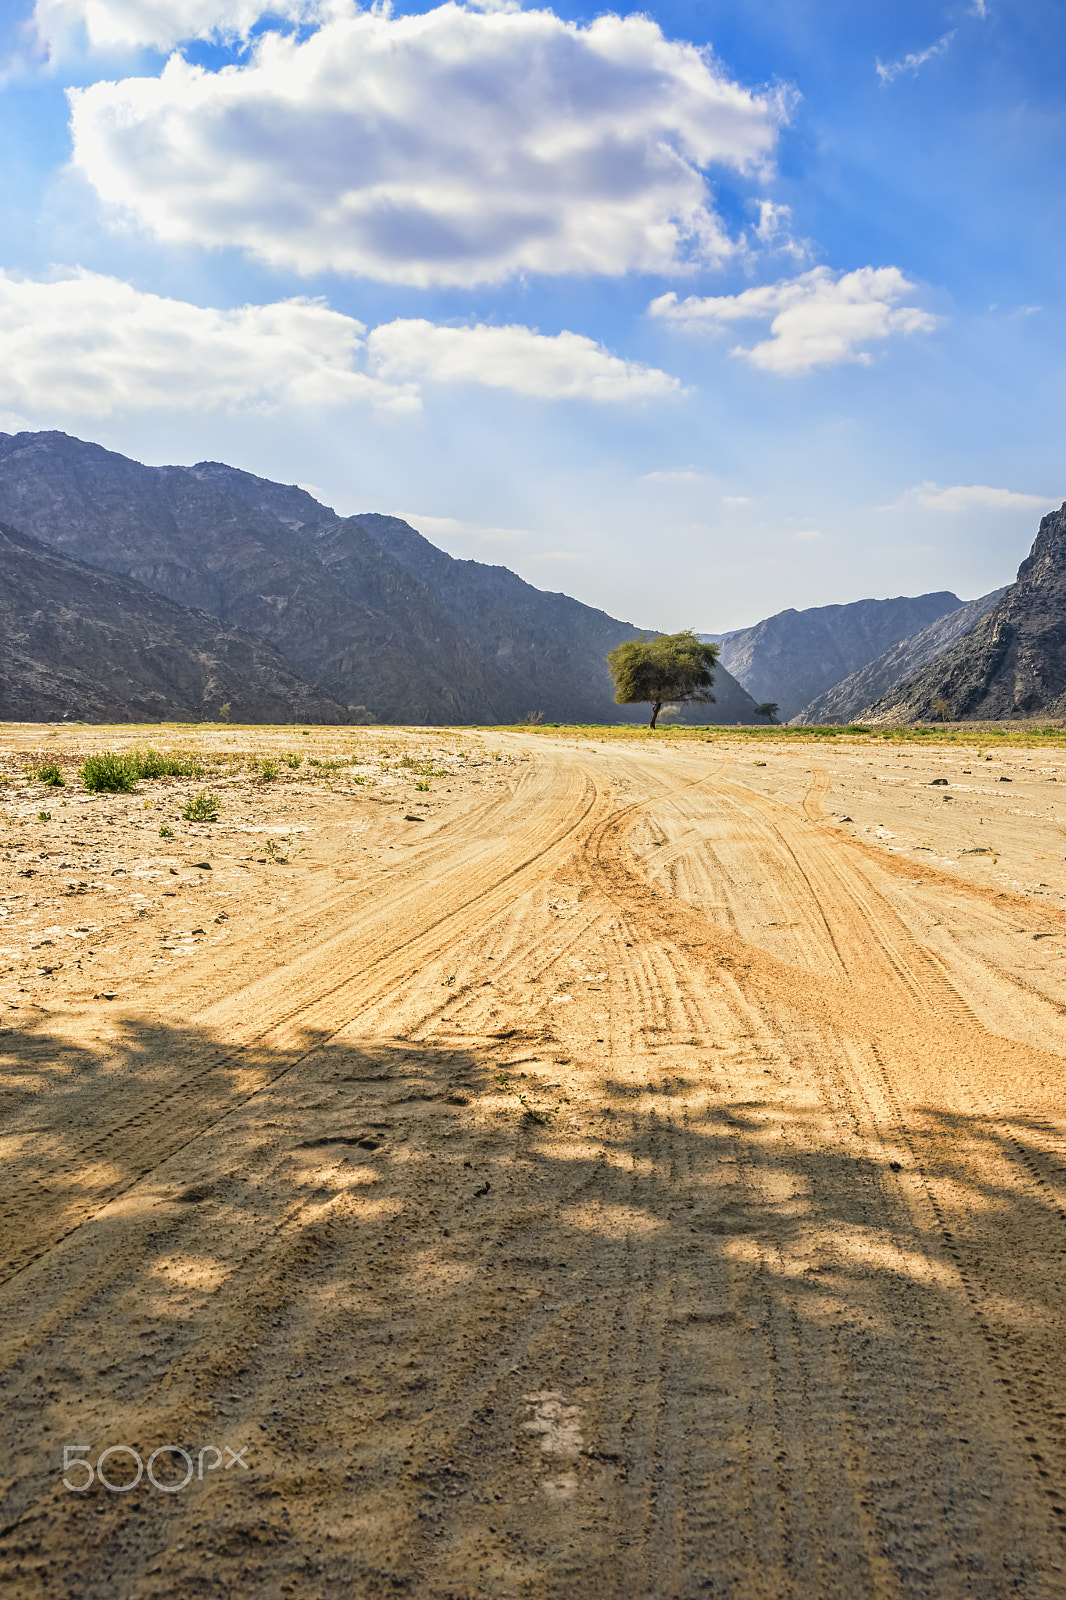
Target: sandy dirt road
column 649, row 1184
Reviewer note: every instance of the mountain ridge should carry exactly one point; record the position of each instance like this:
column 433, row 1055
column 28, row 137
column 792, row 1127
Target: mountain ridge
column 344, row 599
column 1011, row 663
column 794, row 656
column 79, row 642
column 846, row 700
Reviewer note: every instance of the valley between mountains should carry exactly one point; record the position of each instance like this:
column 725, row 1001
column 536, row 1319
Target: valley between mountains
column 611, row 1167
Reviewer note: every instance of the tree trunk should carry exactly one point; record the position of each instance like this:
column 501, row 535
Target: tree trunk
column 655, row 712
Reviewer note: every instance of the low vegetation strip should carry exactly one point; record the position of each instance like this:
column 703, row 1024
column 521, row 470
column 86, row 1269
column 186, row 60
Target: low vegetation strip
column 961, row 733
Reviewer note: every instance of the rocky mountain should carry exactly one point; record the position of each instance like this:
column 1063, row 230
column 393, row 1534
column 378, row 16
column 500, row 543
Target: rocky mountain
column 363, row 606
column 1012, row 663
column 78, row 642
column 844, row 701
column 796, row 655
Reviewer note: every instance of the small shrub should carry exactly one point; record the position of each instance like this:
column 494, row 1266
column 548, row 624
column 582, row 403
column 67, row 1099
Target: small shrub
column 155, row 764
column 273, row 850
column 423, row 786
column 202, row 807
column 108, row 773
column 44, row 816
column 166, row 832
column 267, row 770
column 52, row 776
column 293, row 759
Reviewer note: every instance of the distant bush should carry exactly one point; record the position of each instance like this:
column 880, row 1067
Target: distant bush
column 165, row 832
column 108, row 773
column 155, row 764
column 202, row 807
column 52, row 776
column 267, row 770
column 116, row 774
column 293, row 759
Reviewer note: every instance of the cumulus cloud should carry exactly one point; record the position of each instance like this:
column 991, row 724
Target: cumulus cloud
column 971, row 497
column 819, row 319
column 161, row 24
column 888, row 71
column 154, row 24
column 561, row 366
column 88, row 345
column 458, row 146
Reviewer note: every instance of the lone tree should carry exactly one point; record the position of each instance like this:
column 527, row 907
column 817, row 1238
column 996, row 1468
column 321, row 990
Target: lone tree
column 768, row 709
column 674, row 667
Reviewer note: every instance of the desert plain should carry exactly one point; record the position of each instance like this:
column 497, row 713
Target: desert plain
column 534, row 1163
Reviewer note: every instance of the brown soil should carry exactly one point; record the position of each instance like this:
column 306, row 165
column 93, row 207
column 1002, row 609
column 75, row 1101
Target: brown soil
column 631, row 1180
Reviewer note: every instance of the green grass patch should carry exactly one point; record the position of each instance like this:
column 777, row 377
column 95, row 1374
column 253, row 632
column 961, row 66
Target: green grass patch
column 52, row 776
column 1023, row 734
column 202, row 807
column 109, row 772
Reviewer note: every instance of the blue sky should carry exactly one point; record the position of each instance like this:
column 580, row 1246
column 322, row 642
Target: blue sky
column 695, row 313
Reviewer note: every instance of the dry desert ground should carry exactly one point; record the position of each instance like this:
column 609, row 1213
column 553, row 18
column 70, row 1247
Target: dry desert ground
column 529, row 1164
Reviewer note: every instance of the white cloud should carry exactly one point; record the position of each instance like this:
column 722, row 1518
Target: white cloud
column 547, row 366
column 820, row 318
column 888, row 71
column 456, row 525
column 154, row 24
column 971, row 497
column 681, row 477
column 89, row 345
column 453, row 147
column 809, row 533
column 774, row 231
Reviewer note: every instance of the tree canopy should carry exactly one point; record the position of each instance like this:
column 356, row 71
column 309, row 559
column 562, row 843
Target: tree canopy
column 671, row 666
column 768, row 709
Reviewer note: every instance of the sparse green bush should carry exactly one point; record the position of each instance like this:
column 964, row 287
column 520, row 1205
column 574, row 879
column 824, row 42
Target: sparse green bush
column 267, row 770
column 156, row 764
column 112, row 773
column 108, row 773
column 293, row 759
column 166, row 832
column 44, row 816
column 52, row 776
column 202, row 807
column 423, row 785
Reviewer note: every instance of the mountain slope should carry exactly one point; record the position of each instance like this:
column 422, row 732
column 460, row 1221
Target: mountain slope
column 844, row 701
column 547, row 650
column 190, row 539
column 78, row 642
column 1012, row 663
column 796, row 655
column 362, row 605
